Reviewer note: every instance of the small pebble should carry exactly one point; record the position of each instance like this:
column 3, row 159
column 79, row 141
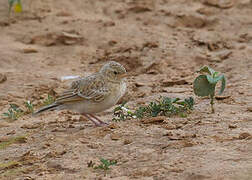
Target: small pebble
column 232, row 126
column 244, row 135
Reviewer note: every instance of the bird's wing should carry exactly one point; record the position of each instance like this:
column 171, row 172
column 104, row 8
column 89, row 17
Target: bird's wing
column 91, row 88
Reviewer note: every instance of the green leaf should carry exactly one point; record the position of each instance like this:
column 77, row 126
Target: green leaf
column 105, row 164
column 11, row 2
column 6, row 114
column 174, row 100
column 202, row 87
column 118, row 108
column 215, row 74
column 210, row 79
column 14, row 106
column 223, row 84
column 190, row 102
column 206, row 69
column 104, row 161
column 216, row 79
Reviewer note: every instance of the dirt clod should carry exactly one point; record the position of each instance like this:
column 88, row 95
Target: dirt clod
column 115, row 136
column 158, row 119
column 232, row 126
column 244, row 135
column 3, row 78
column 249, row 108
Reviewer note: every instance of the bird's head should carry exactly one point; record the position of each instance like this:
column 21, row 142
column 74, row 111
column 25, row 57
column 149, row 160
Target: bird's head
column 114, row 71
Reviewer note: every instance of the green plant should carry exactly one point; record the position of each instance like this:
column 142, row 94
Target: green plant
column 204, row 84
column 29, row 106
column 166, row 106
column 49, row 100
column 105, row 164
column 14, row 112
column 17, row 5
column 122, row 112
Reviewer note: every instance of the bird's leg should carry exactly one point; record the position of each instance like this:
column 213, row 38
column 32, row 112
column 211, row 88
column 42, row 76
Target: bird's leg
column 89, row 118
column 100, row 121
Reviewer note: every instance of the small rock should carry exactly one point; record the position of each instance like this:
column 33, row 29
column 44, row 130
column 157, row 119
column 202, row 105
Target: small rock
column 191, row 20
column 232, row 126
column 139, row 84
column 69, row 38
column 54, row 165
column 224, row 54
column 249, row 108
column 30, row 50
column 140, row 94
column 222, row 97
column 4, row 139
column 176, row 170
column 71, row 126
column 169, row 126
column 31, row 126
column 223, row 4
column 244, row 135
column 63, row 14
column 150, row 45
column 206, row 11
column 168, row 134
column 82, row 118
column 245, row 4
column 11, row 132
column 109, row 24
column 112, row 42
column 4, row 124
column 127, row 141
column 187, row 143
column 166, row 83
column 113, row 126
column 59, row 130
column 175, row 90
column 93, row 146
column 196, row 176
column 139, row 9
column 4, row 23
column 115, row 137
column 158, row 119
column 2, row 78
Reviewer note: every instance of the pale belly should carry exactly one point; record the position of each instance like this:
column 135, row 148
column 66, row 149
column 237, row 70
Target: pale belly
column 94, row 107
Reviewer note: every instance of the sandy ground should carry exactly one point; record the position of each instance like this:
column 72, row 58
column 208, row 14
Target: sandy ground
column 161, row 43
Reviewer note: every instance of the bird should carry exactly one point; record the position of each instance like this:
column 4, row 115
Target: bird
column 94, row 93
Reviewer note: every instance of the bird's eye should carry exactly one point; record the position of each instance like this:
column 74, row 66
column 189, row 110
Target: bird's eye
column 115, row 72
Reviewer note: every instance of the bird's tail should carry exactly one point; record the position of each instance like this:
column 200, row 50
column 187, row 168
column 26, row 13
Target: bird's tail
column 46, row 108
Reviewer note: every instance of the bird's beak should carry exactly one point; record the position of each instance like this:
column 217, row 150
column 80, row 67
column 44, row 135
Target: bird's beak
column 124, row 75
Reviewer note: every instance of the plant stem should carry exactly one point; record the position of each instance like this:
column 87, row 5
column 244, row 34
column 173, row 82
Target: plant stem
column 212, row 102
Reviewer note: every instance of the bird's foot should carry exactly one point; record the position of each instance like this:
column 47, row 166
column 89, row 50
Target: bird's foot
column 101, row 124
column 91, row 117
